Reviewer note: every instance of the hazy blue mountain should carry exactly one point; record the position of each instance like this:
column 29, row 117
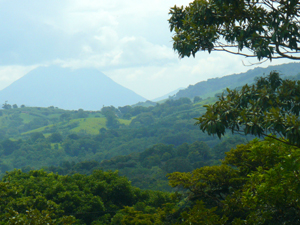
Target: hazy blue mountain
column 65, row 88
column 217, row 85
column 167, row 95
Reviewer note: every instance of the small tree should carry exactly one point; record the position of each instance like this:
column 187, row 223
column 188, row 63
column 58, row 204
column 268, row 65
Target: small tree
column 55, row 138
column 6, row 105
column 197, row 99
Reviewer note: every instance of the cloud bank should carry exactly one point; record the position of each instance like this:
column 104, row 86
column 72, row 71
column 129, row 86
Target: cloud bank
column 127, row 40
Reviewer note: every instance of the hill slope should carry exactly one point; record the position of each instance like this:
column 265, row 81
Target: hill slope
column 88, row 89
column 166, row 96
column 216, row 85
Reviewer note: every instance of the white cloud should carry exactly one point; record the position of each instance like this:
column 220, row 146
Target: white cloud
column 9, row 74
column 155, row 81
column 127, row 40
column 127, row 52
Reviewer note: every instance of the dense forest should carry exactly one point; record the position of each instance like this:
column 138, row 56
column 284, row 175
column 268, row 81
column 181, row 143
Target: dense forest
column 74, row 148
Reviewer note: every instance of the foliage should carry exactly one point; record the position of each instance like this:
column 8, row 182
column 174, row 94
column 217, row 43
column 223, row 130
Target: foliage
column 271, row 105
column 55, row 137
column 35, row 217
column 6, row 105
column 69, row 138
column 197, row 99
column 265, row 28
column 210, row 183
column 199, row 214
column 220, row 149
column 38, row 197
column 257, row 183
column 111, row 115
column 148, row 169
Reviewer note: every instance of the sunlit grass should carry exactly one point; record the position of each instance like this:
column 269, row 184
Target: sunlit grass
column 40, row 129
column 26, row 117
column 86, row 125
column 53, row 145
column 125, row 122
column 89, row 125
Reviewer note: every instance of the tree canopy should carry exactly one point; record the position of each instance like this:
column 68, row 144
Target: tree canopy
column 269, row 107
column 266, row 29
column 257, row 183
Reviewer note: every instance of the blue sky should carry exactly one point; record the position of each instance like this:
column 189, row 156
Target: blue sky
column 129, row 41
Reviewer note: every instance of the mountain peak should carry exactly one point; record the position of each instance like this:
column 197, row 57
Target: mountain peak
column 65, row 88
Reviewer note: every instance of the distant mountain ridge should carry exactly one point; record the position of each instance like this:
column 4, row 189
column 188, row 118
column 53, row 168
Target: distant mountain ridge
column 167, row 95
column 217, row 85
column 65, row 88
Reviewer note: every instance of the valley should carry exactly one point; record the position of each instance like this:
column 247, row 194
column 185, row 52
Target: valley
column 130, row 162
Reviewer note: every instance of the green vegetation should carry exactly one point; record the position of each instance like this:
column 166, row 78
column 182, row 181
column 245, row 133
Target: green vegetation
column 195, row 177
column 42, row 198
column 257, row 183
column 266, row 29
column 57, row 136
column 148, row 169
column 151, row 165
column 269, row 107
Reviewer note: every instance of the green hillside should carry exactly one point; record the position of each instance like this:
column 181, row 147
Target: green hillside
column 101, row 163
column 39, row 137
column 28, row 135
column 213, row 86
column 84, row 125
